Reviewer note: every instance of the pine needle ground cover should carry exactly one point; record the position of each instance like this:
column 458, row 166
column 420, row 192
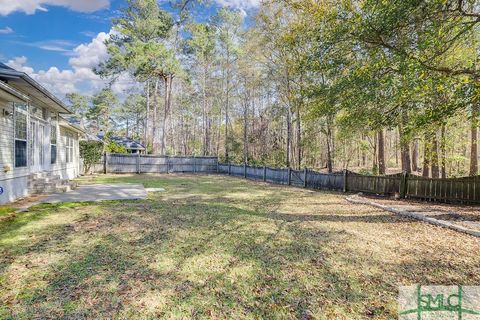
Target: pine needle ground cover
column 219, row 247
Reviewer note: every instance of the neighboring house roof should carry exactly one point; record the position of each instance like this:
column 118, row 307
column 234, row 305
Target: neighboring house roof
column 128, row 143
column 72, row 122
column 91, row 137
column 23, row 83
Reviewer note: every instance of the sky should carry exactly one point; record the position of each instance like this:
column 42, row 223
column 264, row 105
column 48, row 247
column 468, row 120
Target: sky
column 58, row 42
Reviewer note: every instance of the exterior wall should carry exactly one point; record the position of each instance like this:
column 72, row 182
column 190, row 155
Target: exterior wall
column 13, row 180
column 62, row 168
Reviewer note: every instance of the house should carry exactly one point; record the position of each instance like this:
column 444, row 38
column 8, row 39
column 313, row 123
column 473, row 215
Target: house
column 132, row 146
column 38, row 147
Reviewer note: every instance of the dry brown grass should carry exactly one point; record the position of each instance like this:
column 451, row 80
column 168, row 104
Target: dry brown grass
column 218, row 247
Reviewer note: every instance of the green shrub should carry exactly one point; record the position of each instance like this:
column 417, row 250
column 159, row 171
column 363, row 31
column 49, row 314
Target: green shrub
column 112, row 146
column 91, row 153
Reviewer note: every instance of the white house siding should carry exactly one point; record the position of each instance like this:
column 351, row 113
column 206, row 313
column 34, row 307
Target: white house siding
column 62, row 168
column 15, row 182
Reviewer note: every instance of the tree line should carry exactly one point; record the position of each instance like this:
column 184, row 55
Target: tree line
column 372, row 86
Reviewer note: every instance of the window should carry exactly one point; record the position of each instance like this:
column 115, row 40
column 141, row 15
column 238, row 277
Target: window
column 69, row 147
column 53, row 144
column 20, row 135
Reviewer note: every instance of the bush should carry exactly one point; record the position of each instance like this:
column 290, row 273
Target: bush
column 112, row 146
column 91, row 153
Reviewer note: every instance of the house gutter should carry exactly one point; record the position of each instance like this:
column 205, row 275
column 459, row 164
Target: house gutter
column 13, row 92
column 13, row 74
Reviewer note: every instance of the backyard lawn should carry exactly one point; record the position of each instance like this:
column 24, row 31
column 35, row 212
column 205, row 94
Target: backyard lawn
column 220, row 247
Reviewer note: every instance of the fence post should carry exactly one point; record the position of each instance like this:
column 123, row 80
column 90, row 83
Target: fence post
column 229, row 168
column 194, row 164
column 245, row 169
column 104, row 162
column 138, row 163
column 218, row 166
column 264, row 173
column 305, row 172
column 403, row 185
column 345, row 180
column 289, row 179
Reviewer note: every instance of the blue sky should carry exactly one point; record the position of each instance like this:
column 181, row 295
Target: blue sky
column 58, row 41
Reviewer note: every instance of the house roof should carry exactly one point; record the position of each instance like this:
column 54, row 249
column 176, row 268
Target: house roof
column 12, row 93
column 72, row 122
column 128, row 143
column 22, row 82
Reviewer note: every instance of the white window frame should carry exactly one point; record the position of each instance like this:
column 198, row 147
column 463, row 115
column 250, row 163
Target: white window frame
column 69, row 147
column 54, row 125
column 27, row 124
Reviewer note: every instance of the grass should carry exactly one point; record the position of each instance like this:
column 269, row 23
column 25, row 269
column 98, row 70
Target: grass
column 219, row 247
column 5, row 211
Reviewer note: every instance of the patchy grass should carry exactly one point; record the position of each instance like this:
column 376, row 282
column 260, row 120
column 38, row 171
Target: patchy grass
column 5, row 211
column 219, row 247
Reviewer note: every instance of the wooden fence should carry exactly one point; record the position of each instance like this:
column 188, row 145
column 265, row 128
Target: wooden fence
column 459, row 190
column 456, row 190
column 136, row 163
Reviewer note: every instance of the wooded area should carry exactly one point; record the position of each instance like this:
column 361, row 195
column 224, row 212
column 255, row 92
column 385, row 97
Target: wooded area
column 369, row 86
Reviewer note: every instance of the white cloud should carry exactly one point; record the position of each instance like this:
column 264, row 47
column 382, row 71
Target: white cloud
column 89, row 34
column 239, row 4
column 30, row 6
column 6, row 30
column 65, row 46
column 80, row 77
column 54, row 45
column 19, row 63
column 91, row 54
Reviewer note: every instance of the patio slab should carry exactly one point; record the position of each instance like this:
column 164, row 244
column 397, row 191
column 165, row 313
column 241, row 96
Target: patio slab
column 99, row 192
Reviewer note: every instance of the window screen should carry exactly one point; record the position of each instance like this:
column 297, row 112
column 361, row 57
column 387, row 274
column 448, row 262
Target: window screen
column 20, row 136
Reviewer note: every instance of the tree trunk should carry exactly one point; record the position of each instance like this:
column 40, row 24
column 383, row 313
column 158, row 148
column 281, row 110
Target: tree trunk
column 381, row 153
column 299, row 138
column 443, row 151
column 204, row 113
column 434, row 157
column 289, row 138
column 364, row 155
column 474, row 143
column 426, row 157
column 168, row 92
column 404, row 145
column 156, row 143
column 245, row 126
column 415, row 155
column 289, row 126
column 226, row 108
column 329, row 148
column 147, row 115
column 396, row 148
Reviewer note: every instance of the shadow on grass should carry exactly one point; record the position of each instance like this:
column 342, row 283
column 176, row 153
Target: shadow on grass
column 108, row 275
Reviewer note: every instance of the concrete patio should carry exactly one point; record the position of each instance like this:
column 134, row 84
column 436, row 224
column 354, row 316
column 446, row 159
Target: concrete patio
column 99, row 192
